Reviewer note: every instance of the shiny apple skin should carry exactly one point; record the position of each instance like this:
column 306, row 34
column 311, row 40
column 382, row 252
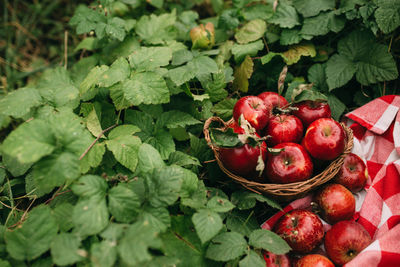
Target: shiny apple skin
column 324, row 139
column 293, row 164
column 336, row 202
column 314, row 260
column 274, row 100
column 274, row 260
column 301, row 229
column 309, row 111
column 284, row 128
column 254, row 110
column 242, row 160
column 353, row 174
column 345, row 240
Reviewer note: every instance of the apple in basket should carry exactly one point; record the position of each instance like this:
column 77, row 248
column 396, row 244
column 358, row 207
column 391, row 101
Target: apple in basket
column 273, row 100
column 353, row 174
column 345, row 240
column 309, row 111
column 324, row 139
column 275, row 260
column 314, row 260
column 254, row 110
column 301, row 229
column 290, row 163
column 244, row 159
column 284, row 128
column 335, row 202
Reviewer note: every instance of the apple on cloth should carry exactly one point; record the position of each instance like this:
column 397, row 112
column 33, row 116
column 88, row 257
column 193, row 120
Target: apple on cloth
column 376, row 128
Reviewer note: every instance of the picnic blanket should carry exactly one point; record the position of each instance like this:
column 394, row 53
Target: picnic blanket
column 376, row 128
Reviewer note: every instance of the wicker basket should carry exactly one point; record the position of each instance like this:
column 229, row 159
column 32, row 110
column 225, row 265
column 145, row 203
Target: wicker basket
column 283, row 192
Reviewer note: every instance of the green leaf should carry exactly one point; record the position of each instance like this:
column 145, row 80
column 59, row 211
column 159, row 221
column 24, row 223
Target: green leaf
column 133, row 247
column 219, row 204
column 290, row 36
column 182, row 74
column 103, row 254
column 226, row 138
column 251, row 31
column 226, row 246
column 339, row 70
column 295, row 52
column 243, row 222
column 115, row 28
column 285, row 16
column 55, row 170
column 155, row 29
column 86, row 19
column 142, row 88
column 123, row 130
column 387, row 15
column 337, row 106
column 241, row 51
column 215, row 85
column 176, row 118
column 203, row 65
column 123, row 203
column 125, row 150
column 311, row 95
column 243, row 74
column 93, row 158
column 149, row 159
column 20, row 102
column 268, row 57
column 182, row 159
column 90, row 185
column 90, row 216
column 63, row 215
column 93, row 123
column 181, row 56
column 57, row 88
column 207, row 224
column 29, row 142
column 87, row 88
column 269, row 241
column 323, row 24
column 316, row 75
column 309, row 8
column 247, row 200
column 150, row 58
column 252, row 259
column 65, row 249
column 159, row 218
column 162, row 141
column 258, row 11
column 117, row 72
column 33, row 237
column 224, row 108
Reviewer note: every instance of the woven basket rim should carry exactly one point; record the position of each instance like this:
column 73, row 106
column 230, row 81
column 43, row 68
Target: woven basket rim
column 281, row 191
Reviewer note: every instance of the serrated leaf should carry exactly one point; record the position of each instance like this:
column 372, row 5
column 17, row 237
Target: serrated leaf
column 93, row 158
column 90, row 216
column 219, row 204
column 57, row 88
column 62, row 213
column 316, row 75
column 311, row 95
column 87, row 88
column 339, row 70
column 123, row 203
column 258, row 11
column 290, row 36
column 322, row 24
column 182, row 159
column 115, row 28
column 176, row 118
column 269, row 241
column 159, row 218
column 55, row 170
column 182, row 74
column 337, row 106
column 65, row 249
column 150, row 58
column 387, row 15
column 103, row 254
column 247, row 200
column 226, row 246
column 243, row 74
column 295, row 52
column 215, row 85
column 86, row 19
column 123, row 130
column 164, row 185
column 243, row 222
column 162, row 140
column 203, row 65
column 309, row 8
column 251, row 31
column 29, row 142
column 33, row 237
column 118, row 71
column 224, row 108
column 207, row 224
column 93, row 123
column 252, row 259
column 240, row 52
column 181, row 56
column 149, row 159
column 268, row 57
column 125, row 150
column 89, row 186
column 155, row 29
column 285, row 16
column 141, row 88
column 198, row 199
column 20, row 102
column 139, row 237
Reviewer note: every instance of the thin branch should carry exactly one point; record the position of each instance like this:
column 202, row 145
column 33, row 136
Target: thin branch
column 65, row 49
column 7, row 206
column 95, row 141
column 56, row 194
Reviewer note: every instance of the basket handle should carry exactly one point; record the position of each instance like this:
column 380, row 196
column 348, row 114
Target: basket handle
column 206, row 129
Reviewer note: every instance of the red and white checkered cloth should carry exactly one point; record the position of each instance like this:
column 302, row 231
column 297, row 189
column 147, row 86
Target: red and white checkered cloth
column 376, row 128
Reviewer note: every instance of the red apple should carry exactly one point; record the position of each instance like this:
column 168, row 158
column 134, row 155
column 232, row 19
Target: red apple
column 324, row 139
column 284, row 128
column 292, row 164
column 314, row 260
column 309, row 111
column 345, row 240
column 254, row 110
column 274, row 260
column 274, row 100
column 242, row 160
column 353, row 174
column 336, row 203
column 301, row 229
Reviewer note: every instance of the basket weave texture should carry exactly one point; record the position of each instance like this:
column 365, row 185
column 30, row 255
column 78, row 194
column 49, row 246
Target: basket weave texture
column 283, row 192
